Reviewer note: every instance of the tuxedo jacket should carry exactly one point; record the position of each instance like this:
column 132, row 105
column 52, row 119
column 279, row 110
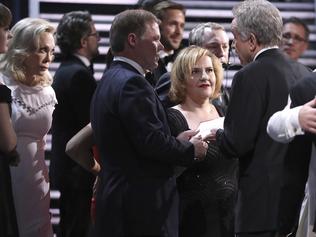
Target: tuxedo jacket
column 137, row 194
column 158, row 72
column 296, row 162
column 162, row 64
column 74, row 86
column 259, row 89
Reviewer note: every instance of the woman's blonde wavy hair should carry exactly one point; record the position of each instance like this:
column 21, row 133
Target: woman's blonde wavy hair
column 25, row 41
column 182, row 70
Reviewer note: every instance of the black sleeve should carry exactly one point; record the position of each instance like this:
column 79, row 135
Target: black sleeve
column 138, row 103
column 5, row 94
column 177, row 122
column 303, row 91
column 82, row 90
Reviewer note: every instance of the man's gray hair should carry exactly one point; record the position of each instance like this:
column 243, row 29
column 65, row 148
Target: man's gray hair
column 260, row 18
column 196, row 36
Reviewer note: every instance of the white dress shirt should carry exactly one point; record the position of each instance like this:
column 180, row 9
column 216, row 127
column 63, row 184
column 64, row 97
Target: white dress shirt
column 283, row 125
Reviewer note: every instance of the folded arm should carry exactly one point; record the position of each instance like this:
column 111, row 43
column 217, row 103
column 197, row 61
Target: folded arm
column 79, row 149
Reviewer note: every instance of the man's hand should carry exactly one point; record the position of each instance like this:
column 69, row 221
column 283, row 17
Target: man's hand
column 200, row 147
column 211, row 136
column 187, row 135
column 307, row 116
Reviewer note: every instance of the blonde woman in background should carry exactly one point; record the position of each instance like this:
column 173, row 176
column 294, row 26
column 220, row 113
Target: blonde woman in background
column 24, row 69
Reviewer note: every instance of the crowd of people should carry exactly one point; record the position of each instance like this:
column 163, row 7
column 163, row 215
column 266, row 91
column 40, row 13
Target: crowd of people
column 159, row 147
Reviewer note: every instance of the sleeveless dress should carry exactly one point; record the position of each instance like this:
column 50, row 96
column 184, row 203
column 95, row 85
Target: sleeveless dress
column 207, row 190
column 32, row 109
column 8, row 224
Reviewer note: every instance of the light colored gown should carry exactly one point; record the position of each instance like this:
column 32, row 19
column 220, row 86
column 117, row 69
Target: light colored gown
column 32, row 109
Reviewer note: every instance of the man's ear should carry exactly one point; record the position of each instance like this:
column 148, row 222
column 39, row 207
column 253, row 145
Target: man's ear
column 132, row 40
column 83, row 42
column 253, row 42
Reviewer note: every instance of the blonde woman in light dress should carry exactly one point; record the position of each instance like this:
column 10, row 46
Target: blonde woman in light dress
column 24, row 69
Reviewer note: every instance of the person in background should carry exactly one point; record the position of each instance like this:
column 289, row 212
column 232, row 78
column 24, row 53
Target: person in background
column 295, row 37
column 8, row 154
column 25, row 71
column 297, row 124
column 208, row 189
column 213, row 37
column 79, row 148
column 74, row 85
column 137, row 194
column 259, row 89
column 82, row 149
column 172, row 17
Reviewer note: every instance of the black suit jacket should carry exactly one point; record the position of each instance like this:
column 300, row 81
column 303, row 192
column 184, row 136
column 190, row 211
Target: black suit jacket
column 158, row 72
column 137, row 195
column 74, row 85
column 162, row 64
column 259, row 89
column 296, row 162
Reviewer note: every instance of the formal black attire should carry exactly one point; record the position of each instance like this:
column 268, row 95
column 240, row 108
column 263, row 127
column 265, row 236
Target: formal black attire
column 296, row 162
column 162, row 66
column 8, row 223
column 74, row 85
column 259, row 89
column 137, row 195
column 207, row 190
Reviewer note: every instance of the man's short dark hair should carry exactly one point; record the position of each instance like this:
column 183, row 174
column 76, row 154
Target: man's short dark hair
column 297, row 21
column 159, row 7
column 70, row 30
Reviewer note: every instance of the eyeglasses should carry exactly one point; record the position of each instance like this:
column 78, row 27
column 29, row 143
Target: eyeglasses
column 295, row 38
column 95, row 34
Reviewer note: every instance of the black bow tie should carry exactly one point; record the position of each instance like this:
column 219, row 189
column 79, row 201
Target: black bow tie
column 167, row 59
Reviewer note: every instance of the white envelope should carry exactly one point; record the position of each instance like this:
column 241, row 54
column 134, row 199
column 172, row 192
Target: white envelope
column 206, row 127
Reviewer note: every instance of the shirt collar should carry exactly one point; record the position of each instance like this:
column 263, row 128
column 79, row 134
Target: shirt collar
column 85, row 60
column 130, row 62
column 163, row 53
column 264, row 49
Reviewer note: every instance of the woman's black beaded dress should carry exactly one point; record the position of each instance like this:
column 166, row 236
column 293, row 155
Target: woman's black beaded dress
column 207, row 190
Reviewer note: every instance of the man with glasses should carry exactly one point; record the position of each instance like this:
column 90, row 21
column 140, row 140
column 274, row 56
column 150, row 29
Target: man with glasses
column 74, row 85
column 294, row 42
column 294, row 37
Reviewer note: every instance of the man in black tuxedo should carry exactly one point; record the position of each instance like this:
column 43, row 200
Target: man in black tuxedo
column 172, row 17
column 259, row 89
column 296, row 123
column 137, row 194
column 74, row 85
